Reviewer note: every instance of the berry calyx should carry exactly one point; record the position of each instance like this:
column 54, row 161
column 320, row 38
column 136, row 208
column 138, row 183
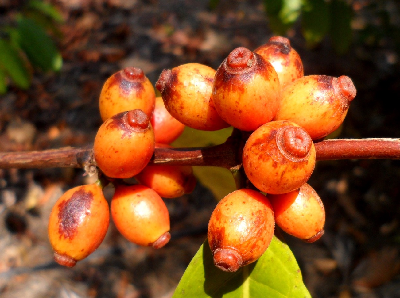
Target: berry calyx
column 240, row 60
column 227, row 259
column 133, row 73
column 344, row 86
column 137, row 119
column 294, row 142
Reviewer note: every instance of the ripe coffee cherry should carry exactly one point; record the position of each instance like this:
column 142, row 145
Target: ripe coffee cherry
column 168, row 181
column 186, row 91
column 300, row 213
column 318, row 103
column 166, row 128
column 240, row 229
column 124, row 144
column 285, row 60
column 279, row 157
column 140, row 215
column 127, row 89
column 78, row 223
column 246, row 90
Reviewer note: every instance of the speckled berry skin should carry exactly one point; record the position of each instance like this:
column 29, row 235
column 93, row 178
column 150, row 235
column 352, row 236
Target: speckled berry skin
column 186, row 91
column 279, row 157
column 166, row 128
column 246, row 90
column 285, row 60
column 240, row 229
column 318, row 103
column 300, row 213
column 140, row 215
column 124, row 144
column 127, row 89
column 78, row 223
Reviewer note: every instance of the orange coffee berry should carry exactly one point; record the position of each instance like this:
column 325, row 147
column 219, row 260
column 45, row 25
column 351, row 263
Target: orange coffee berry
column 285, row 60
column 246, row 90
column 300, row 213
column 240, row 229
column 166, row 128
column 279, row 157
column 78, row 223
column 186, row 91
column 318, row 103
column 124, row 144
column 168, row 181
column 140, row 215
column 127, row 89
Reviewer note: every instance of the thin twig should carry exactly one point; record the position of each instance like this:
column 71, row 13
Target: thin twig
column 223, row 155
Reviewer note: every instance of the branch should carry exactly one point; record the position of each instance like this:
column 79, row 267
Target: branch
column 223, row 155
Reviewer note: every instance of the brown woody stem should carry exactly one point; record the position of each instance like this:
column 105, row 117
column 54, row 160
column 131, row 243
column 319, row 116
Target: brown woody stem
column 224, row 155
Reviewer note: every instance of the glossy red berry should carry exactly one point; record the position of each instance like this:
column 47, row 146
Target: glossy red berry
column 124, row 144
column 140, row 215
column 279, row 157
column 127, row 89
column 78, row 223
column 285, row 60
column 300, row 213
column 318, row 103
column 246, row 90
column 240, row 229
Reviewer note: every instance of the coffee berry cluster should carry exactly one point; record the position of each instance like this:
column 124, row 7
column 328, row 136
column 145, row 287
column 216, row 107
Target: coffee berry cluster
column 262, row 93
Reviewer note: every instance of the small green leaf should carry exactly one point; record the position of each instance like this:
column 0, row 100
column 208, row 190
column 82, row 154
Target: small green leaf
column 275, row 274
column 315, row 20
column 209, row 175
column 46, row 23
column 282, row 14
column 46, row 9
column 340, row 31
column 13, row 65
column 37, row 45
column 3, row 83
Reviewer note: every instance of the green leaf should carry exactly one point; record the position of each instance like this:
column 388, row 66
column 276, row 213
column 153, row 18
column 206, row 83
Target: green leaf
column 46, row 9
column 275, row 274
column 282, row 14
column 46, row 23
column 37, row 45
column 209, row 175
column 3, row 83
column 13, row 65
column 340, row 31
column 315, row 21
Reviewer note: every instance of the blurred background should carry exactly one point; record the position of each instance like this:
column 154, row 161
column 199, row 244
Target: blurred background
column 55, row 57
